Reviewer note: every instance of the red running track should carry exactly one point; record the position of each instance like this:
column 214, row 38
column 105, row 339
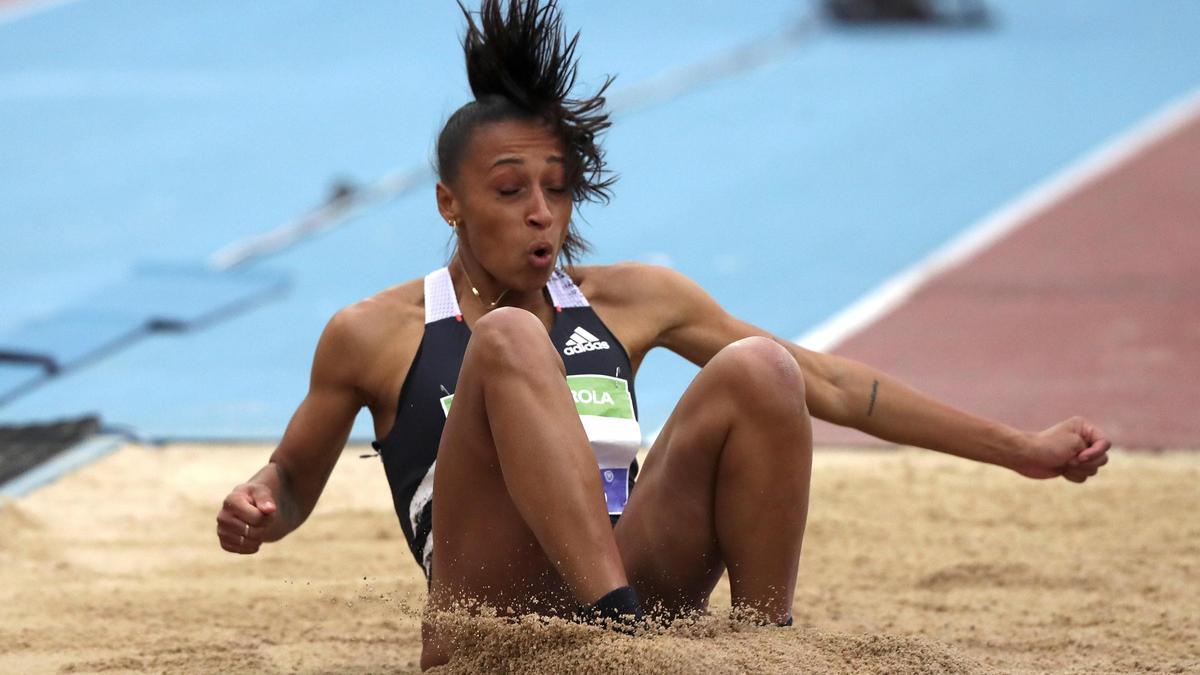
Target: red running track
column 1090, row 307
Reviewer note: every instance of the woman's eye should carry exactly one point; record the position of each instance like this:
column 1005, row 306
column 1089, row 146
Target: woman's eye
column 508, row 192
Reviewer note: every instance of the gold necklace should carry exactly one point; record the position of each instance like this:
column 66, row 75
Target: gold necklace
column 475, row 291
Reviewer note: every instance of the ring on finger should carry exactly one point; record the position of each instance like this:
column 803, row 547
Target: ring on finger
column 241, row 540
column 247, row 532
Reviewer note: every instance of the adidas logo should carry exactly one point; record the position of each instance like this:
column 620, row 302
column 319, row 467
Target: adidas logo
column 582, row 341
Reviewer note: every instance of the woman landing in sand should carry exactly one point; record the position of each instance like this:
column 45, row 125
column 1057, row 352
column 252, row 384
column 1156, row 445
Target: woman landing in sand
column 516, row 376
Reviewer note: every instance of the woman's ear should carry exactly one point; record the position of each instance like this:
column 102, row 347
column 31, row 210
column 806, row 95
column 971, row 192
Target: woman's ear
column 447, row 204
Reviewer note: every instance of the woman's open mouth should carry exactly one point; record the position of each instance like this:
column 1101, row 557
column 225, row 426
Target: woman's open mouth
column 541, row 255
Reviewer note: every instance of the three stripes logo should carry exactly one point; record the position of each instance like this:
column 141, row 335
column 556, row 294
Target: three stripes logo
column 582, row 341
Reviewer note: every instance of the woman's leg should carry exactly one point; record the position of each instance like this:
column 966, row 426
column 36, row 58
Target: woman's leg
column 519, row 518
column 725, row 485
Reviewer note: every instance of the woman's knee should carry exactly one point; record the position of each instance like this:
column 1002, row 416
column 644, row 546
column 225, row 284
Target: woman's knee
column 760, row 372
column 509, row 336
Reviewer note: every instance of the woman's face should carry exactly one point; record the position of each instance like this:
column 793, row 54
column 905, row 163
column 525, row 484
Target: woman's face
column 511, row 201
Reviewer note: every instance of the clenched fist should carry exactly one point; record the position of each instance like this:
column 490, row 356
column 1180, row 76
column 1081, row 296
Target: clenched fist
column 1074, row 449
column 244, row 518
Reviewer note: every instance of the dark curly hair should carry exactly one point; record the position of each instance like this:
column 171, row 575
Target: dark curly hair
column 521, row 66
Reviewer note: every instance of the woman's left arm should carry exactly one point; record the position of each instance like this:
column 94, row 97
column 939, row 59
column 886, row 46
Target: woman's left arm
column 856, row 395
column 853, row 394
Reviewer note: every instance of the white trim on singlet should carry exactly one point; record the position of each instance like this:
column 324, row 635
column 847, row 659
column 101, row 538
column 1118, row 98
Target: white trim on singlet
column 564, row 292
column 421, row 497
column 427, row 555
column 440, row 300
column 442, row 303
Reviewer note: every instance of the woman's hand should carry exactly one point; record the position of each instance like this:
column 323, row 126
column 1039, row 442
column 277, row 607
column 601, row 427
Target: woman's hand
column 278, row 498
column 1074, row 449
column 244, row 518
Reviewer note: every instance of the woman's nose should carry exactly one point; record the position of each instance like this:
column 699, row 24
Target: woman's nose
column 539, row 210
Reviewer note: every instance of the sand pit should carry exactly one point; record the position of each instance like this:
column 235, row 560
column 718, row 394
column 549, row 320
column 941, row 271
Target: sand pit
column 913, row 563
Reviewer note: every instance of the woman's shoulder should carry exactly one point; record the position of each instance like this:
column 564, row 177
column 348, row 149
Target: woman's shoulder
column 367, row 344
column 626, row 283
column 638, row 301
column 385, row 317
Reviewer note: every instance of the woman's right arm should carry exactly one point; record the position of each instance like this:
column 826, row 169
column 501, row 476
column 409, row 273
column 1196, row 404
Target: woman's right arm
column 278, row 498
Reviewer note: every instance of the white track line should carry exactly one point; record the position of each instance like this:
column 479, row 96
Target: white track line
column 895, row 291
column 21, row 10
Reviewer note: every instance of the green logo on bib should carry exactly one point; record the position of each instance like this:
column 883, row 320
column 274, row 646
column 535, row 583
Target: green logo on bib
column 601, row 396
column 596, row 395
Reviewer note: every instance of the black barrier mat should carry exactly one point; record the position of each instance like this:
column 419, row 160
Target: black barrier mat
column 24, row 447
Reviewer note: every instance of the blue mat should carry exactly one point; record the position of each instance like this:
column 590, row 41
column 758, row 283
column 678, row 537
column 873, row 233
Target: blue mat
column 17, row 377
column 154, row 297
column 186, row 296
column 68, row 337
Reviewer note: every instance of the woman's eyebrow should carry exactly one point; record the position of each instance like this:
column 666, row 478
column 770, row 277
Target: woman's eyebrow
column 553, row 159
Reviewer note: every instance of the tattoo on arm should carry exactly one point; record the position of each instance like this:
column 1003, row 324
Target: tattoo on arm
column 874, row 393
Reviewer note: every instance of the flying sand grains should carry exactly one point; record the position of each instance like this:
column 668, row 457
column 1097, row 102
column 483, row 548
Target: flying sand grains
column 697, row 644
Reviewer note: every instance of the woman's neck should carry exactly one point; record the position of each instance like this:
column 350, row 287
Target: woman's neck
column 481, row 292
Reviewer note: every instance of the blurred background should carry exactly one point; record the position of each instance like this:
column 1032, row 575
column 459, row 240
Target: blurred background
column 188, row 191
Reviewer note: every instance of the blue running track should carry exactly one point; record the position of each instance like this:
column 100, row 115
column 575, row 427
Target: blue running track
column 136, row 133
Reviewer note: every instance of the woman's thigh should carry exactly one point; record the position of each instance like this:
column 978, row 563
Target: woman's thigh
column 668, row 534
column 483, row 548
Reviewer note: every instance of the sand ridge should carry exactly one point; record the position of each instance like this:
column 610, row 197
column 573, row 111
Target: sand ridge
column 913, row 563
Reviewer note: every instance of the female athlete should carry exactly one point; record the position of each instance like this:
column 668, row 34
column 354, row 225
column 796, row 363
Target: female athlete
column 513, row 378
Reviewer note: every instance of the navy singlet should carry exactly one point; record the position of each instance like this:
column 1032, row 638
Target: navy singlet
column 598, row 373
